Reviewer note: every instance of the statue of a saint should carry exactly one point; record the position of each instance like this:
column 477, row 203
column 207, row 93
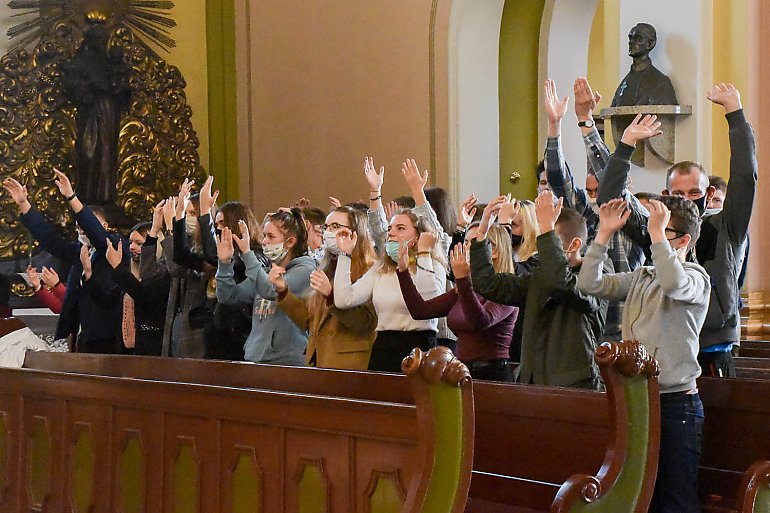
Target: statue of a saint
column 95, row 80
column 645, row 84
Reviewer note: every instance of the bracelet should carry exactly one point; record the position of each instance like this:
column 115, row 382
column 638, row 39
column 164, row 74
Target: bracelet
column 376, row 198
column 420, row 253
column 460, row 227
column 72, row 197
column 424, row 269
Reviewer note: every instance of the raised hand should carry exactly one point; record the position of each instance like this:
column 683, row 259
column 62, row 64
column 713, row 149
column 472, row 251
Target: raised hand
column 373, row 178
column 114, row 255
column 726, row 95
column 244, row 241
column 659, row 217
column 414, row 179
column 302, row 203
column 206, row 198
column 546, row 211
column 403, row 255
column 169, row 208
column 391, row 208
column 50, row 277
column 85, row 261
column 458, row 258
column 612, row 217
column 427, row 241
column 335, row 203
column 183, row 198
column 508, row 210
column 33, row 278
column 585, row 99
column 18, row 193
column 157, row 219
column 276, row 277
column 63, row 183
column 489, row 215
column 320, row 283
column 346, row 241
column 554, row 107
column 467, row 210
column 641, row 128
column 225, row 250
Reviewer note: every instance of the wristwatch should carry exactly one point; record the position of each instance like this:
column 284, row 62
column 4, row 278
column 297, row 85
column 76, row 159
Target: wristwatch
column 587, row 123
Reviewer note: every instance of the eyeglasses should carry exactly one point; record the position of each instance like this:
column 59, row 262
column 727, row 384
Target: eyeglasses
column 334, row 227
column 676, row 232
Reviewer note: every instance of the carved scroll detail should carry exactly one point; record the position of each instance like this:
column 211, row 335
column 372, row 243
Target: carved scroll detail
column 629, row 357
column 438, row 364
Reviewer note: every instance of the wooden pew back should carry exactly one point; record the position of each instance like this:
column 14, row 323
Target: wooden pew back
column 103, row 443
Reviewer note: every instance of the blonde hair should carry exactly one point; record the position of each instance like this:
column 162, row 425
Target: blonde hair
column 529, row 232
column 499, row 236
column 421, row 225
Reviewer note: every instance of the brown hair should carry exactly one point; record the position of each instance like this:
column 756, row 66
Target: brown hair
column 234, row 211
column 292, row 222
column 685, row 217
column 362, row 258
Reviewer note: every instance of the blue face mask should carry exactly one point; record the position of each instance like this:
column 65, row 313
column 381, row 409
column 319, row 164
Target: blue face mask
column 391, row 248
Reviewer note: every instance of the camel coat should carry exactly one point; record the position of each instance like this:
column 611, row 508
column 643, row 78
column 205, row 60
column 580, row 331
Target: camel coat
column 337, row 339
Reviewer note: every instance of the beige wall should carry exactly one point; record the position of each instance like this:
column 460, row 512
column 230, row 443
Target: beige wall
column 331, row 82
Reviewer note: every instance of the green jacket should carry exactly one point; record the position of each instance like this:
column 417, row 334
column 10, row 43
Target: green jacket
column 561, row 324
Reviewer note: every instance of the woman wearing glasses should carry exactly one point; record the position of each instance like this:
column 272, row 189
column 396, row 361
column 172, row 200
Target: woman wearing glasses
column 340, row 339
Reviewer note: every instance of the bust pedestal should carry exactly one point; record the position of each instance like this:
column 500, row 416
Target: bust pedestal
column 661, row 146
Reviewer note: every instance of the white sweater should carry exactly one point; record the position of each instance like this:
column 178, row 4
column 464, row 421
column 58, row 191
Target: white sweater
column 384, row 291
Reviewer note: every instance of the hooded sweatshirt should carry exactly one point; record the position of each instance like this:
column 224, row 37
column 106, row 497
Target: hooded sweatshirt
column 274, row 338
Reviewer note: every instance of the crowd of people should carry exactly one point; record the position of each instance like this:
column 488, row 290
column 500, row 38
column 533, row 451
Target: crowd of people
column 521, row 290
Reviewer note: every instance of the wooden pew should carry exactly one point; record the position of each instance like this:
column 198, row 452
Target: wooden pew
column 736, row 434
column 86, row 442
column 530, row 440
column 752, row 368
column 754, row 495
column 755, row 348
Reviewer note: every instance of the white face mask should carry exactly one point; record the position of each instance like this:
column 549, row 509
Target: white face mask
column 592, row 203
column 190, row 225
column 275, row 252
column 330, row 242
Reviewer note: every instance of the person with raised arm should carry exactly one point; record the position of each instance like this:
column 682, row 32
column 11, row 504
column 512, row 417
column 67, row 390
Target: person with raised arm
column 339, row 339
column 397, row 332
column 274, row 337
column 562, row 325
column 90, row 313
column 483, row 328
column 721, row 246
column 624, row 253
column 665, row 307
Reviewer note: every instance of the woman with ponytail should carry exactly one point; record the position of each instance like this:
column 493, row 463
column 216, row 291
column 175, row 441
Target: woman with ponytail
column 339, row 339
column 274, row 338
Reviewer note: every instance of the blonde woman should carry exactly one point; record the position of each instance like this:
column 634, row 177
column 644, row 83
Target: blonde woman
column 397, row 332
column 339, row 339
column 483, row 328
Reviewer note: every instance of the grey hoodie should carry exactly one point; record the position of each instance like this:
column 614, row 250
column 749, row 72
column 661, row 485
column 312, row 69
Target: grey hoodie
column 274, row 338
column 666, row 305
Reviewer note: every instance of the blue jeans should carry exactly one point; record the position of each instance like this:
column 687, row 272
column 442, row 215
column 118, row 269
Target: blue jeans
column 681, row 435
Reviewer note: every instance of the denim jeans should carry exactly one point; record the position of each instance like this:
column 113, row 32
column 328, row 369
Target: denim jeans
column 681, row 435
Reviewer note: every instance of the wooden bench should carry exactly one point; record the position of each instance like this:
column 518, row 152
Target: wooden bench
column 530, row 440
column 755, row 348
column 87, row 442
column 736, row 435
column 752, row 368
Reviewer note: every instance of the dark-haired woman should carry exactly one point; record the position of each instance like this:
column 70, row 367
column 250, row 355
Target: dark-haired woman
column 274, row 338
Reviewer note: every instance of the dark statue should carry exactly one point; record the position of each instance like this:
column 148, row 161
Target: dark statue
column 644, row 84
column 95, row 80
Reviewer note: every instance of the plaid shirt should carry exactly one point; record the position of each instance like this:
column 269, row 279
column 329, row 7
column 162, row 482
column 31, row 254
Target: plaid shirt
column 624, row 254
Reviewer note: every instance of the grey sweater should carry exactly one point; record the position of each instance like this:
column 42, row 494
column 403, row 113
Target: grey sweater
column 722, row 243
column 666, row 305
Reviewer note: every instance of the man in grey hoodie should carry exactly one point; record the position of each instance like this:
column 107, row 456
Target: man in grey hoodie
column 721, row 247
column 665, row 307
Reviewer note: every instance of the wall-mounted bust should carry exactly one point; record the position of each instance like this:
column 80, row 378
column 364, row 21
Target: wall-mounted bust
column 644, row 84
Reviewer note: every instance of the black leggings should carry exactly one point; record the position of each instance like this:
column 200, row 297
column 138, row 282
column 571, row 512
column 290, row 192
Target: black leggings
column 390, row 347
